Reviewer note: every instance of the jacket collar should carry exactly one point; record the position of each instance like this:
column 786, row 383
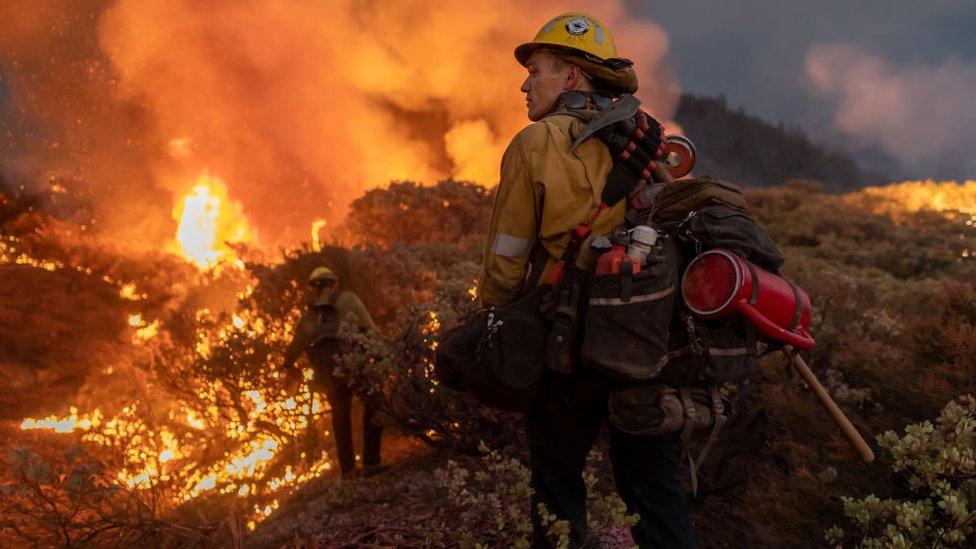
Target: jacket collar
column 579, row 100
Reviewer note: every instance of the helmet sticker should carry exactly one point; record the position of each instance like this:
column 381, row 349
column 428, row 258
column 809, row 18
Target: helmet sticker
column 577, row 26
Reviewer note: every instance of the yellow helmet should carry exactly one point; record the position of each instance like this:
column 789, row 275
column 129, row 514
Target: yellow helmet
column 582, row 40
column 576, row 31
column 321, row 274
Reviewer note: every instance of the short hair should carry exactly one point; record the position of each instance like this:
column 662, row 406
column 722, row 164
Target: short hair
column 558, row 62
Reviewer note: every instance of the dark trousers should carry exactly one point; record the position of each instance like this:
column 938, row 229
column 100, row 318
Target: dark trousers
column 340, row 399
column 562, row 426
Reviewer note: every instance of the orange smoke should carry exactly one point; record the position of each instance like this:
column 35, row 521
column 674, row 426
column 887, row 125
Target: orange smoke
column 301, row 106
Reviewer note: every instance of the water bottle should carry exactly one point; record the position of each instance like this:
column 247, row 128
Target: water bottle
column 642, row 239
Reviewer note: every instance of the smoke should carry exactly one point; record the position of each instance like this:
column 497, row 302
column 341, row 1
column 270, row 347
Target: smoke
column 299, row 106
column 61, row 120
column 923, row 115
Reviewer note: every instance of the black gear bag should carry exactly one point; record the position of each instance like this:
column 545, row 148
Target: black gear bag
column 497, row 354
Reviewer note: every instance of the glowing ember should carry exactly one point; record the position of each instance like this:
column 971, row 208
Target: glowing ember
column 208, row 221
column 129, row 292
column 146, row 332
column 67, row 424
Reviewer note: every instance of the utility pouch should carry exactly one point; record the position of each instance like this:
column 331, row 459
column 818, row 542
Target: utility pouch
column 729, row 349
column 629, row 317
column 659, row 409
column 561, row 344
column 719, row 226
column 680, row 197
column 651, row 409
column 712, row 351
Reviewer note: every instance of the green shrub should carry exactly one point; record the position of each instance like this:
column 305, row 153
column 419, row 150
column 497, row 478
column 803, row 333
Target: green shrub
column 937, row 465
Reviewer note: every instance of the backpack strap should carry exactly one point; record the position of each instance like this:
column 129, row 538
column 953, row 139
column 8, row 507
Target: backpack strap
column 798, row 312
column 688, row 407
column 754, row 296
column 719, row 419
column 537, row 263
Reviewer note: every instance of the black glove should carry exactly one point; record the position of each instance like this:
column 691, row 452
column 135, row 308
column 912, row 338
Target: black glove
column 635, row 144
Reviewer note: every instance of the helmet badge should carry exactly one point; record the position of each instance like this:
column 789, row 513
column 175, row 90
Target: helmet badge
column 577, row 26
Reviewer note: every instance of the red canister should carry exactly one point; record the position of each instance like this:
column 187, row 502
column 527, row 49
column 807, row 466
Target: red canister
column 609, row 262
column 719, row 284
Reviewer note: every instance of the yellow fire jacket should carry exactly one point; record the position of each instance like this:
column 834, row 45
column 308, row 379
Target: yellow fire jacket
column 347, row 305
column 545, row 191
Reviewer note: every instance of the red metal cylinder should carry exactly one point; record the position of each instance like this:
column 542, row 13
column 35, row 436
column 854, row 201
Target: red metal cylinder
column 719, row 284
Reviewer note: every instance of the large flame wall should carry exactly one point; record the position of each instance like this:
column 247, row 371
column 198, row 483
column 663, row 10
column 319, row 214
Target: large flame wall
column 298, row 106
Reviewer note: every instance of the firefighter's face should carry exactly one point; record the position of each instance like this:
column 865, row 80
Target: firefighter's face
column 321, row 288
column 549, row 76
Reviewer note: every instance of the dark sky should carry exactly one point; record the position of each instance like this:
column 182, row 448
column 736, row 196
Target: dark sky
column 755, row 52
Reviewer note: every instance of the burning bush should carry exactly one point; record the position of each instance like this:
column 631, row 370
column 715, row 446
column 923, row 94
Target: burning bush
column 214, row 422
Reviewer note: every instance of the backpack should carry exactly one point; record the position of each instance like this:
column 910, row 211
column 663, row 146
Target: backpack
column 322, row 323
column 678, row 198
column 671, row 366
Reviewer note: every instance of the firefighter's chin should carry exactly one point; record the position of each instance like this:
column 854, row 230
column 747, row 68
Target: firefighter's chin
column 324, row 296
column 535, row 111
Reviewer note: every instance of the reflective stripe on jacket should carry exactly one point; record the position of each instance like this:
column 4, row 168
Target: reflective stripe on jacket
column 545, row 191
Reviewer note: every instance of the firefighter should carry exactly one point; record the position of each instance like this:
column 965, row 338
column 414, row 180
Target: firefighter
column 317, row 335
column 544, row 192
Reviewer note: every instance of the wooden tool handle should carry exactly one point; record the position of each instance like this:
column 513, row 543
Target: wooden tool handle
column 828, row 403
column 661, row 173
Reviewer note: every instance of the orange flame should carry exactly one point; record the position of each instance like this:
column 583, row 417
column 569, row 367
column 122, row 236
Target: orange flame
column 208, row 221
column 317, row 227
column 64, row 424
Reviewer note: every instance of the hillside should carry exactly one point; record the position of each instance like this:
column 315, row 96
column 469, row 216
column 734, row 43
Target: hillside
column 185, row 433
column 747, row 150
column 889, row 270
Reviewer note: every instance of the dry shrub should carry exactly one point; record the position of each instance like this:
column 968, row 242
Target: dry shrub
column 893, row 317
column 73, row 500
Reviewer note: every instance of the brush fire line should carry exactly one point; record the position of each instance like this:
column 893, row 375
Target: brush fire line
column 170, row 454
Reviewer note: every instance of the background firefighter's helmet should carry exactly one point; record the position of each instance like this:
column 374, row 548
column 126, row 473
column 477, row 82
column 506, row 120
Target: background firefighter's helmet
column 322, row 274
column 584, row 41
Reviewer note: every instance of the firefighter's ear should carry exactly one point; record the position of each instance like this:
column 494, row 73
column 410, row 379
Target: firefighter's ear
column 574, row 77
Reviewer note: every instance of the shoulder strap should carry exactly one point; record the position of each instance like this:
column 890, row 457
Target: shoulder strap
column 576, row 239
